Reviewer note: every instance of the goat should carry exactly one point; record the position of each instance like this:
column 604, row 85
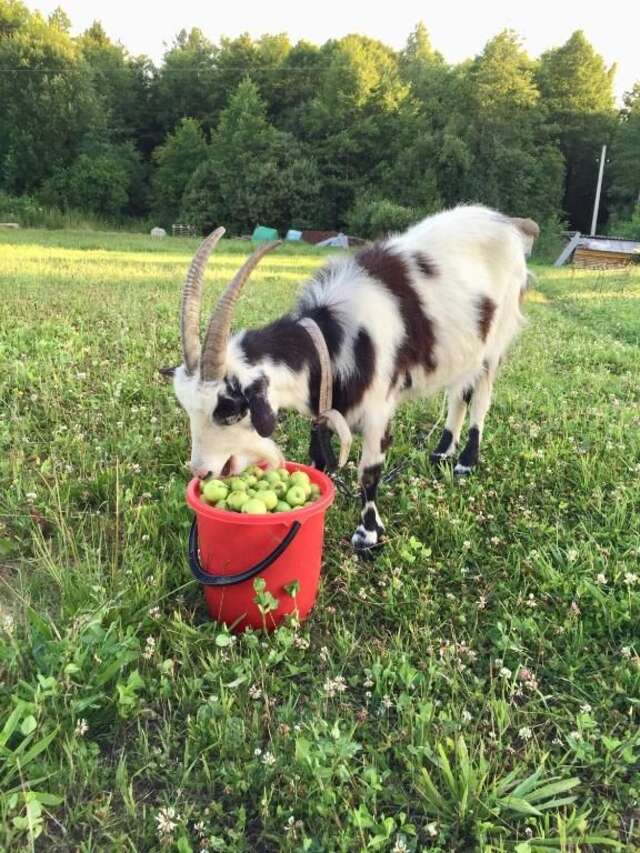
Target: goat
column 434, row 308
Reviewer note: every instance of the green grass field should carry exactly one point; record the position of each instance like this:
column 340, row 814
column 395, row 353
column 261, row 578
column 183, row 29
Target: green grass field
column 476, row 688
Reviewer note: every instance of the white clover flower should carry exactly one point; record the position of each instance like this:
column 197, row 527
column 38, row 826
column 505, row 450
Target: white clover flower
column 386, row 702
column 82, row 727
column 466, row 717
column 400, row 846
column 432, row 829
column 625, row 651
column 167, row 821
column 525, row 733
column 149, row 649
column 255, row 692
column 505, row 673
column 586, row 708
column 269, row 759
column 601, row 579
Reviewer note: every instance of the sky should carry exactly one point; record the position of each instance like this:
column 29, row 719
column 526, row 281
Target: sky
column 458, row 30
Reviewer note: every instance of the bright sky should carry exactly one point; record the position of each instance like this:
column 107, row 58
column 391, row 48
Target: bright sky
column 458, row 29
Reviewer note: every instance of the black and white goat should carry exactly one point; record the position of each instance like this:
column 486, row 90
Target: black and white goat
column 434, row 308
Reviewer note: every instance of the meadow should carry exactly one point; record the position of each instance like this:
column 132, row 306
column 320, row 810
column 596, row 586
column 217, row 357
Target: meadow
column 476, row 688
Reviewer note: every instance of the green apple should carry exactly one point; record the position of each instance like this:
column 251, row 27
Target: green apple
column 299, row 478
column 280, row 489
column 269, row 498
column 254, row 506
column 250, row 479
column 315, row 491
column 222, row 505
column 237, row 484
column 284, row 474
column 257, row 472
column 213, row 491
column 252, row 493
column 237, row 499
column 282, row 506
column 263, row 486
column 272, row 477
column 296, row 496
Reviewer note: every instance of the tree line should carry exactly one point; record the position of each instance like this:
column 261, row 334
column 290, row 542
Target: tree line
column 349, row 134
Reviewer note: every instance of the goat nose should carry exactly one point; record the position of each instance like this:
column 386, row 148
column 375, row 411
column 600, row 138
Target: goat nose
column 200, row 471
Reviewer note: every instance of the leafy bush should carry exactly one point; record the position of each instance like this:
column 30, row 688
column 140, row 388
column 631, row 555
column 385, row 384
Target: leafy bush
column 629, row 228
column 550, row 242
column 375, row 218
column 97, row 181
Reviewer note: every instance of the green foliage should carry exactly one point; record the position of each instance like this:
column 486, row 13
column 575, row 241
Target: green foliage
column 97, row 182
column 377, row 218
column 629, row 228
column 253, row 173
column 175, row 162
column 577, row 92
column 625, row 159
column 333, row 124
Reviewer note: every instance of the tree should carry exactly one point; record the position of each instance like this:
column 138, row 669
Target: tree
column 577, row 93
column 253, row 173
column 625, row 157
column 98, row 182
column 175, row 162
column 186, row 85
column 48, row 105
column 515, row 166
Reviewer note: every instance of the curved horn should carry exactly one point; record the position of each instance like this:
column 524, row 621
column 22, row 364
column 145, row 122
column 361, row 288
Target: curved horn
column 191, row 298
column 212, row 361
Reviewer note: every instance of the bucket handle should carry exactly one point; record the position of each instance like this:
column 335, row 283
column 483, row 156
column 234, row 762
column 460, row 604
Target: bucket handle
column 208, row 579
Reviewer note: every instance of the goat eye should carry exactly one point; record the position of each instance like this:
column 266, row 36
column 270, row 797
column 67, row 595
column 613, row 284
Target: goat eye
column 230, row 410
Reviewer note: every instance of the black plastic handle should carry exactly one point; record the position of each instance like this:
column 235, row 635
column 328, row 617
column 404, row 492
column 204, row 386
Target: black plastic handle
column 229, row 580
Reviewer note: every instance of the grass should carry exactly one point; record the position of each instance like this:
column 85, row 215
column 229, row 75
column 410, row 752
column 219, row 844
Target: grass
column 476, row 688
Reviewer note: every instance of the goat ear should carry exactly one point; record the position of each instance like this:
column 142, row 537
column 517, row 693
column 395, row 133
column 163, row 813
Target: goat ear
column 263, row 417
column 167, row 372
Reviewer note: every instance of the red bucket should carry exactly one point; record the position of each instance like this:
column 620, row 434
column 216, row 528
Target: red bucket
column 228, row 551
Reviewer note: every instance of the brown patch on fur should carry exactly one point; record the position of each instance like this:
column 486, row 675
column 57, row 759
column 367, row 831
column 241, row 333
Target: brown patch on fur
column 425, row 264
column 390, row 269
column 386, row 442
column 486, row 309
column 348, row 394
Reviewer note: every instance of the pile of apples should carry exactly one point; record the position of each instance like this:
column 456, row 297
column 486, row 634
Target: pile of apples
column 257, row 492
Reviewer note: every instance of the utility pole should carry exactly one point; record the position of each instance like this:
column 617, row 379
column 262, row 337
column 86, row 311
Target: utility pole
column 596, row 204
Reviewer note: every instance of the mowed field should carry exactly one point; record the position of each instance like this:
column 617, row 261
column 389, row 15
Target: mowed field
column 477, row 687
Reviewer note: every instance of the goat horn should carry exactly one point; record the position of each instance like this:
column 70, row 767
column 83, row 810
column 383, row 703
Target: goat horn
column 214, row 349
column 191, row 298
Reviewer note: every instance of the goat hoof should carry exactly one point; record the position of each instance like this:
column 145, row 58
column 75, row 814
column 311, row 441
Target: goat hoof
column 365, row 542
column 462, row 470
column 440, row 458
